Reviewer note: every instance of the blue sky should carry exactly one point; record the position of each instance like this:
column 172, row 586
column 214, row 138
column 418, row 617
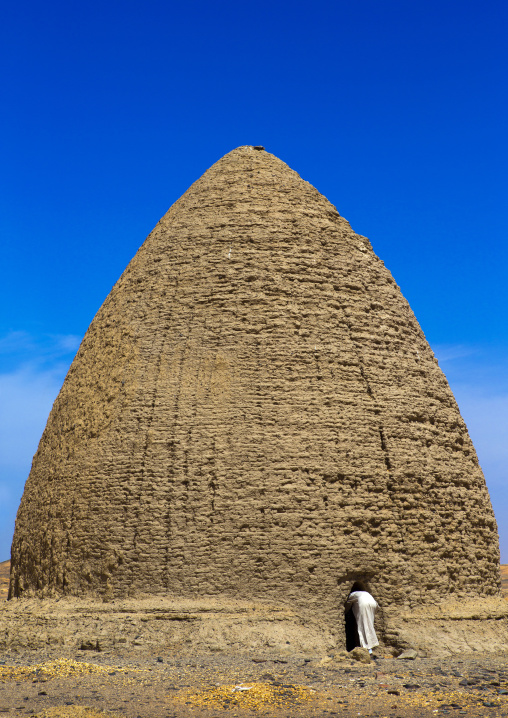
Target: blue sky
column 396, row 111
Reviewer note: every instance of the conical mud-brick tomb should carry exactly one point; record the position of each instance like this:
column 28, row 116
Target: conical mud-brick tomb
column 255, row 413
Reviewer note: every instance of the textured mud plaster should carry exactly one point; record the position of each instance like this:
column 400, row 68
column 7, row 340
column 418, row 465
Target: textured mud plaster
column 255, row 412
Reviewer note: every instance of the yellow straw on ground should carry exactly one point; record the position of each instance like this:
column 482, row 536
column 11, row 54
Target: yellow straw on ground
column 249, row 695
column 60, row 668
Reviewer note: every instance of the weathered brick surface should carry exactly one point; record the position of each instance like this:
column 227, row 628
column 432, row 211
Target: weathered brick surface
column 255, row 412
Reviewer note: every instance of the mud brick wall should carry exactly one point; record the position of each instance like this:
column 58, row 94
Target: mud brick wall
column 255, row 411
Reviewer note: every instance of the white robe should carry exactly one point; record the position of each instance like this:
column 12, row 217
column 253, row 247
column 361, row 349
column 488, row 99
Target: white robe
column 364, row 607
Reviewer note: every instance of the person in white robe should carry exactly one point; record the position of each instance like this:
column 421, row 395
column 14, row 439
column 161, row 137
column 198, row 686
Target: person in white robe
column 364, row 608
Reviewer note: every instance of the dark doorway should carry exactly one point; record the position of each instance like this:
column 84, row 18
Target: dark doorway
column 352, row 638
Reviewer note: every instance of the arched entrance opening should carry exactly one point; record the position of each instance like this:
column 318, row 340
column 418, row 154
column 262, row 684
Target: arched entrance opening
column 352, row 638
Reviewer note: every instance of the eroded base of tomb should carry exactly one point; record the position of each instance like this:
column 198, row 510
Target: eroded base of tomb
column 225, row 625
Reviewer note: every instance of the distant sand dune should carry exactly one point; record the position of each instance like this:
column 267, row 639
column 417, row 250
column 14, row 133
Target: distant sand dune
column 5, row 567
column 504, row 580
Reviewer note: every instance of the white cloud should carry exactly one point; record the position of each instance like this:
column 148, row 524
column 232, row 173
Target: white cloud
column 481, row 367
column 449, row 352
column 5, row 494
column 479, row 381
column 15, row 341
column 27, row 396
column 67, row 342
column 22, row 347
column 33, row 372
column 487, row 420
